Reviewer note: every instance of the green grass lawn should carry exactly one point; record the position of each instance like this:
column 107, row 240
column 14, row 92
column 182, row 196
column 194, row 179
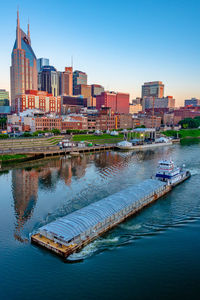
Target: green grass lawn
column 183, row 133
column 12, row 156
column 189, row 133
column 96, row 138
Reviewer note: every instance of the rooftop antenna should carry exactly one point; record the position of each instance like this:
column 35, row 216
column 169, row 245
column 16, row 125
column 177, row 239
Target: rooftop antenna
column 72, row 61
column 28, row 29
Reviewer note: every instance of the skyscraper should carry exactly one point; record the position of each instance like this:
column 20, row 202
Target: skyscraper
column 4, row 97
column 97, row 89
column 41, row 62
column 153, row 89
column 48, row 80
column 23, row 70
column 79, row 77
column 66, row 82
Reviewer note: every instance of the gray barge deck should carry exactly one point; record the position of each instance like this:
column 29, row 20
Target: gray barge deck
column 72, row 232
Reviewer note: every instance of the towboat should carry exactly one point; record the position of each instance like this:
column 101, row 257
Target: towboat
column 168, row 172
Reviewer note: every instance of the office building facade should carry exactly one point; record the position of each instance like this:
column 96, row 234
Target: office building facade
column 85, row 91
column 23, row 70
column 4, row 98
column 79, row 77
column 38, row 100
column 48, row 80
column 153, row 89
column 66, row 82
column 192, row 101
column 118, row 102
column 151, row 102
column 42, row 62
column 96, row 90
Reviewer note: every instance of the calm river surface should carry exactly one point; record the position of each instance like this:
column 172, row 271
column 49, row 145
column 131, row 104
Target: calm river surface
column 154, row 255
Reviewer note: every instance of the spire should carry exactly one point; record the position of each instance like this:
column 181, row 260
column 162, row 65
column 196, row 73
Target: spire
column 28, row 32
column 18, row 33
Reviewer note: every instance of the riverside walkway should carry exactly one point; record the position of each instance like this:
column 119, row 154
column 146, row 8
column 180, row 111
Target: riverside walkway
column 55, row 150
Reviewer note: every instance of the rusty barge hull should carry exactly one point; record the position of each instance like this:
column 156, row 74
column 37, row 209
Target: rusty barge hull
column 49, row 238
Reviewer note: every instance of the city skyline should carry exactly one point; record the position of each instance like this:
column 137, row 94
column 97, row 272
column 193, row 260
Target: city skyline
column 170, row 54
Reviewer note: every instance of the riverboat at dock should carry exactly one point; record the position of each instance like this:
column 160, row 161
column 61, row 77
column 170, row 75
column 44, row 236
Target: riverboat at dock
column 71, row 233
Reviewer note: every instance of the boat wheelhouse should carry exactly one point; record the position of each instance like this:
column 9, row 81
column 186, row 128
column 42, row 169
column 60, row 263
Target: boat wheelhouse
column 169, row 173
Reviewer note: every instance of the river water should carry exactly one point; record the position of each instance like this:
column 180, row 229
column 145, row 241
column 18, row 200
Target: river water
column 153, row 255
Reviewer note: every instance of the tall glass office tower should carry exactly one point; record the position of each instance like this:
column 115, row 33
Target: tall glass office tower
column 23, row 70
column 41, row 62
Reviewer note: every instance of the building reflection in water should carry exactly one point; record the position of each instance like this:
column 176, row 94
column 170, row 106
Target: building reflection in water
column 25, row 184
column 24, row 188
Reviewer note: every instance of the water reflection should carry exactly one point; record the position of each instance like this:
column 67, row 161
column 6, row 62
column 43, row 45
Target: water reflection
column 24, row 188
column 45, row 176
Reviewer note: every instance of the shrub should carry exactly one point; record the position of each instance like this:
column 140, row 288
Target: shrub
column 4, row 136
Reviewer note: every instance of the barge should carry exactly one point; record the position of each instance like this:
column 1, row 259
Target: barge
column 71, row 233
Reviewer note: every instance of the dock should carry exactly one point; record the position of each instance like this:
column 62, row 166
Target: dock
column 40, row 152
column 71, row 233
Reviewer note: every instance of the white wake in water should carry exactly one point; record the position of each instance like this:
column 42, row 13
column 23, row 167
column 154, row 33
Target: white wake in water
column 91, row 248
column 131, row 227
column 195, row 171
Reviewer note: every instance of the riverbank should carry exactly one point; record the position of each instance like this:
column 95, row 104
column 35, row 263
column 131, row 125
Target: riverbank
column 183, row 133
column 14, row 158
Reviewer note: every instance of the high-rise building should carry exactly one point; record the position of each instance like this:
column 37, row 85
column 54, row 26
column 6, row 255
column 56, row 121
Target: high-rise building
column 41, row 62
column 97, row 89
column 118, row 102
column 48, row 80
column 4, row 97
column 66, row 82
column 153, row 89
column 165, row 102
column 23, row 71
column 79, row 77
column 192, row 101
column 85, row 91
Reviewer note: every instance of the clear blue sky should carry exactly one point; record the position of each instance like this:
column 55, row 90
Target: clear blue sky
column 120, row 44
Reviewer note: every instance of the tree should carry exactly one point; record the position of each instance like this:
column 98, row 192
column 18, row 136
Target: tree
column 27, row 134
column 55, row 131
column 3, row 122
column 189, row 123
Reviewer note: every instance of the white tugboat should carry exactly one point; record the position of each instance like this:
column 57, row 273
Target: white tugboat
column 170, row 173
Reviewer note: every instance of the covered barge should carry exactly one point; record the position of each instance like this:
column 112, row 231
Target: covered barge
column 71, row 233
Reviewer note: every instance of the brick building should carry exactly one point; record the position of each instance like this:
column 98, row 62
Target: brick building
column 118, row 102
column 41, row 100
column 135, row 108
column 48, row 123
column 147, row 121
column 75, row 121
column 84, row 90
column 66, row 82
column 106, row 119
column 124, row 121
column 182, row 113
column 152, row 122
